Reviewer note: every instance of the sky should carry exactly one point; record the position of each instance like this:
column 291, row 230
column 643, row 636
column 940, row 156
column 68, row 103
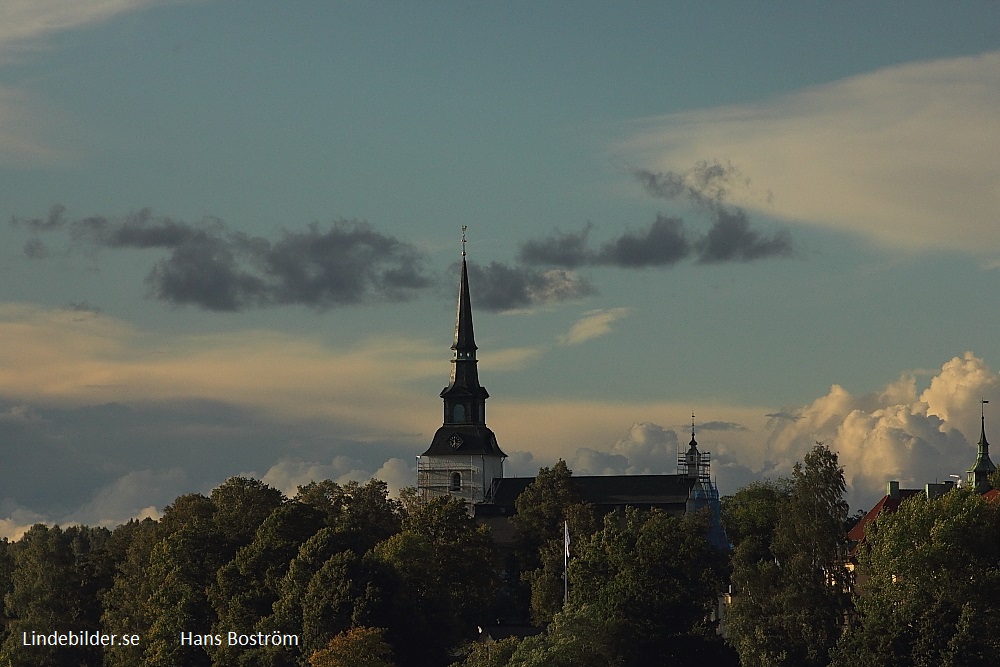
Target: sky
column 231, row 235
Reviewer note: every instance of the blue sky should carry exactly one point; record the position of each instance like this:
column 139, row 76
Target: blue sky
column 234, row 229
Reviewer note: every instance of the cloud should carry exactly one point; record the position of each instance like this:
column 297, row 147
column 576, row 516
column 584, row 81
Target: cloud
column 216, row 268
column 664, row 243
column 593, row 324
column 500, row 287
column 568, row 250
column 732, row 239
column 709, row 185
column 896, row 433
column 219, row 269
column 645, row 449
column 903, row 156
column 893, row 434
column 129, row 496
column 667, row 240
column 721, row 426
column 22, row 20
column 26, row 122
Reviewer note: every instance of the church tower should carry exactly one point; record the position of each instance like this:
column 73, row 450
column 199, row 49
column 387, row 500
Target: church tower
column 979, row 473
column 464, row 457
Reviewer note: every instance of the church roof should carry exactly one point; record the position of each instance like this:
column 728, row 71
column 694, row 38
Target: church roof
column 983, row 462
column 464, row 440
column 667, row 492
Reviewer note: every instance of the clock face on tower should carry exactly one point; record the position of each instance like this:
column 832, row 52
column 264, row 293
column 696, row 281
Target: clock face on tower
column 455, row 441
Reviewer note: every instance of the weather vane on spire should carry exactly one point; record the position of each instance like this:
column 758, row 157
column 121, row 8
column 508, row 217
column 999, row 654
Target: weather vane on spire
column 464, row 227
column 692, row 424
column 983, row 407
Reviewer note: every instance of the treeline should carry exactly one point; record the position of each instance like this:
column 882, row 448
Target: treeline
column 249, row 560
column 364, row 580
column 923, row 588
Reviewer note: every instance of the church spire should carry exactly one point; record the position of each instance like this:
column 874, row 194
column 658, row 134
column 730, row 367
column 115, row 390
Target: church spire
column 465, row 338
column 980, row 471
column 464, row 458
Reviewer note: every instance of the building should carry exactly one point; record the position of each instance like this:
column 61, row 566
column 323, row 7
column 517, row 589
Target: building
column 977, row 478
column 979, row 473
column 464, row 457
column 465, row 460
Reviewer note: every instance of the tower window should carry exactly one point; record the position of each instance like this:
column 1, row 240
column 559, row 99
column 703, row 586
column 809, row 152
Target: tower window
column 456, row 482
column 458, row 414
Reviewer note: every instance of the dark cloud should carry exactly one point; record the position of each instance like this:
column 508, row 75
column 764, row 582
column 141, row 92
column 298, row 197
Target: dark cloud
column 732, row 239
column 708, row 186
column 35, row 248
column 342, row 264
column 667, row 241
column 707, row 183
column 774, row 419
column 215, row 268
column 566, row 250
column 499, row 286
column 55, row 220
column 663, row 243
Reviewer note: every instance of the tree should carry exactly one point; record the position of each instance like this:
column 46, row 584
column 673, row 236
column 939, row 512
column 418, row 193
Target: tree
column 56, row 578
column 790, row 596
column 540, row 511
column 443, row 566
column 751, row 514
column 344, row 593
column 240, row 505
column 357, row 647
column 641, row 592
column 489, row 654
column 246, row 588
column 126, row 603
column 364, row 512
column 181, row 567
column 933, row 571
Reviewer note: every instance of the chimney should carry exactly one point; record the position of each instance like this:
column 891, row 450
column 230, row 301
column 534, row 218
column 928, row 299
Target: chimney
column 892, row 489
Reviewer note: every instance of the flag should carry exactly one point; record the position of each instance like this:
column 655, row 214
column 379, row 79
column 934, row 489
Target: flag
column 566, row 536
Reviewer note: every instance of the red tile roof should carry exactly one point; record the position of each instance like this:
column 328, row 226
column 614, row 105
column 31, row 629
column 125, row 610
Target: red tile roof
column 887, row 504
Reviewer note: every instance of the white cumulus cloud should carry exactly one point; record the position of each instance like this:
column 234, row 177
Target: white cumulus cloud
column 892, row 434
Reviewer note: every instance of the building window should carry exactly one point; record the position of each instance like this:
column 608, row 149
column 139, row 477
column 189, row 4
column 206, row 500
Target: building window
column 458, row 414
column 456, row 482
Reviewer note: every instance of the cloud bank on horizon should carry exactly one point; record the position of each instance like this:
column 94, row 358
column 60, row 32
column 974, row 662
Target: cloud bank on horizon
column 99, row 423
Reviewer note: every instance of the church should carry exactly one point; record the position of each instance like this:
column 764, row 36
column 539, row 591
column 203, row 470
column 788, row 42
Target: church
column 465, row 460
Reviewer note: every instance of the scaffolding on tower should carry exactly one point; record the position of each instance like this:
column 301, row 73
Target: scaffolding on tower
column 437, row 478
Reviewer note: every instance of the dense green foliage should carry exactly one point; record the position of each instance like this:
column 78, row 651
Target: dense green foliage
column 930, row 586
column 322, row 566
column 790, row 586
column 360, row 578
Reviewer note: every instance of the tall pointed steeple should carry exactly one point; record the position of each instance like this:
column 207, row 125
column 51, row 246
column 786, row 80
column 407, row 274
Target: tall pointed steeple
column 464, row 457
column 979, row 473
column 464, row 371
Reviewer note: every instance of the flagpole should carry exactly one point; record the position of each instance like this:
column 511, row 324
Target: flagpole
column 565, row 562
